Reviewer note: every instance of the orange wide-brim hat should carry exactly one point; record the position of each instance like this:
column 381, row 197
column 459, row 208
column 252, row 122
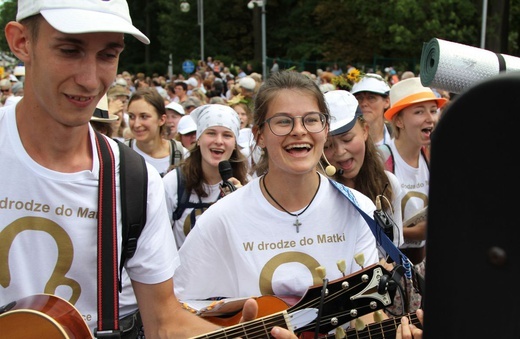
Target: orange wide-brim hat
column 409, row 92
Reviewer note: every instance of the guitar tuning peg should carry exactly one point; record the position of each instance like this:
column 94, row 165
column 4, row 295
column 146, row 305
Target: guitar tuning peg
column 360, row 259
column 378, row 316
column 321, row 271
column 342, row 266
column 340, row 333
column 360, row 325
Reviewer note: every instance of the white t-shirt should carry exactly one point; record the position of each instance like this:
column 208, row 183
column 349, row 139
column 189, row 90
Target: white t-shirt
column 48, row 229
column 160, row 164
column 244, row 246
column 183, row 226
column 415, row 183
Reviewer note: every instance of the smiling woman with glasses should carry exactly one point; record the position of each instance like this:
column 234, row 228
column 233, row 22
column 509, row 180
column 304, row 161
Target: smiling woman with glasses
column 288, row 203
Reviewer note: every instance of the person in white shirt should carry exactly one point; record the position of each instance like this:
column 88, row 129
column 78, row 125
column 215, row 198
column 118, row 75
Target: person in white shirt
column 289, row 203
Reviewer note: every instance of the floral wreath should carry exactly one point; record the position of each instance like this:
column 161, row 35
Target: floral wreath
column 237, row 99
column 345, row 81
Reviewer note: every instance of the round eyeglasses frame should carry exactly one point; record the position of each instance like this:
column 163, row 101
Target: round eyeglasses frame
column 320, row 122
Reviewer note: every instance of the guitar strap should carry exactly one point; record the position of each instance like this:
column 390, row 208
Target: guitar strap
column 107, row 273
column 390, row 248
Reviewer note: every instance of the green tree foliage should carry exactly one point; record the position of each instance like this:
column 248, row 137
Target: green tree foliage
column 354, row 32
column 7, row 13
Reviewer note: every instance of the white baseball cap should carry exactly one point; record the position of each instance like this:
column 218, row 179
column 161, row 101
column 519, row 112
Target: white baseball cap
column 344, row 111
column 83, row 16
column 187, row 125
column 192, row 82
column 247, row 83
column 371, row 82
column 174, row 106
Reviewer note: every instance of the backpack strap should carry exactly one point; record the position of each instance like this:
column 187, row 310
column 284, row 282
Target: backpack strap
column 176, row 154
column 134, row 193
column 388, row 157
column 182, row 195
column 378, row 232
column 183, row 199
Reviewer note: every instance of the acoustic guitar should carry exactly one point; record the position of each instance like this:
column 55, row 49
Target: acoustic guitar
column 42, row 316
column 324, row 307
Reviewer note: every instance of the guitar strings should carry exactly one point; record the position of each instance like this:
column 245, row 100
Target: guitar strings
column 341, row 294
column 379, row 330
column 259, row 328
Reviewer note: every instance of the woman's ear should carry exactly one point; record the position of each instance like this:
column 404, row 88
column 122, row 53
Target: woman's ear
column 386, row 99
column 258, row 136
column 162, row 119
column 18, row 38
column 365, row 131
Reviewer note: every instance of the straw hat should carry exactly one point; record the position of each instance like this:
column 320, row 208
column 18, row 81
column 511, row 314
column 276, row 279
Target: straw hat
column 409, row 92
column 101, row 112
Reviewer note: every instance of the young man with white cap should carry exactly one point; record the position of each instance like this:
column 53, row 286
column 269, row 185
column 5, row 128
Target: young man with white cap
column 71, row 50
column 372, row 94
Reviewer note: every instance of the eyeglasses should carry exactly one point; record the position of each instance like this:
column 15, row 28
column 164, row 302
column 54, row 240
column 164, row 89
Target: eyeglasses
column 283, row 124
column 4, row 90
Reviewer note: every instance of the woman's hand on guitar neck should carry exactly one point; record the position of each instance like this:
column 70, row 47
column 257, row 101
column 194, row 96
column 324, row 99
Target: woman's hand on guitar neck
column 250, row 311
column 409, row 331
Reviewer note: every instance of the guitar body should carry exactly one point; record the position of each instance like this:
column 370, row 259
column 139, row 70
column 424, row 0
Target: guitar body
column 42, row 316
column 267, row 305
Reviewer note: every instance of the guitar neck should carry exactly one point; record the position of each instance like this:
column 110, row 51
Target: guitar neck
column 385, row 329
column 255, row 329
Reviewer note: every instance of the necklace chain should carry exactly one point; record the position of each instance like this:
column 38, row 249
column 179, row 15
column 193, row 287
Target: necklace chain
column 297, row 223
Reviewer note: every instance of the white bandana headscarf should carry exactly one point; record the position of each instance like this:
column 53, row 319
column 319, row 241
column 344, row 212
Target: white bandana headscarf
column 215, row 115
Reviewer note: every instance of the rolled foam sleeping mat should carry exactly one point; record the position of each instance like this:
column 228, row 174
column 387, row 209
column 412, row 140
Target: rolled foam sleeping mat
column 454, row 67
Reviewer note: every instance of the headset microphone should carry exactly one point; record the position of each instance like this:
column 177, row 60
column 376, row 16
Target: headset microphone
column 330, row 170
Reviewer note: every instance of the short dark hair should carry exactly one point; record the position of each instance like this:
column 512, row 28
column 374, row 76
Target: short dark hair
column 182, row 84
